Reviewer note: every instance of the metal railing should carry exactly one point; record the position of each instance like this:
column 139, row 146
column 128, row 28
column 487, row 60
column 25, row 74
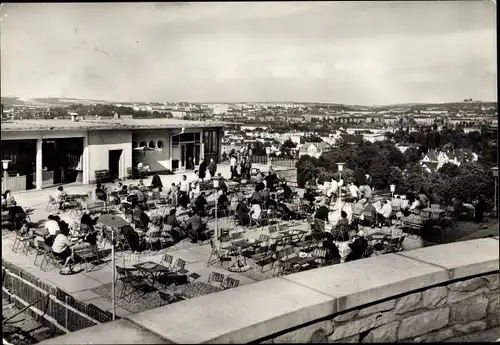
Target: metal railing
column 51, row 306
column 276, row 161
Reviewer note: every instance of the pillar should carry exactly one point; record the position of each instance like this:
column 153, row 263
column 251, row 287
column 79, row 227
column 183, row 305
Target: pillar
column 39, row 164
column 85, row 160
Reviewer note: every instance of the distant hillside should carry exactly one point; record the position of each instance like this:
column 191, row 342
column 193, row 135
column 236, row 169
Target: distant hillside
column 50, row 102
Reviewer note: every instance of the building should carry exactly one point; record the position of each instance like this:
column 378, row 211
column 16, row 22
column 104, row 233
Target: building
column 39, row 150
column 435, row 159
column 314, row 149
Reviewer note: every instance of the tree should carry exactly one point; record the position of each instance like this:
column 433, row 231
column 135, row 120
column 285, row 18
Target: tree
column 450, row 170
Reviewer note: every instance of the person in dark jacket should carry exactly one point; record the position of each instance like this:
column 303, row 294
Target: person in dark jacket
column 212, row 167
column 87, row 221
column 287, row 191
column 200, row 203
column 17, row 215
column 132, row 237
column 242, row 214
column 479, row 209
column 140, row 219
column 271, row 179
column 202, row 170
column 329, row 245
column 156, row 182
column 358, row 247
column 100, row 193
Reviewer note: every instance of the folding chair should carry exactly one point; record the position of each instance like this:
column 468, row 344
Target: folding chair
column 132, row 283
column 88, row 255
column 166, row 261
column 167, row 298
column 25, row 241
column 367, row 253
column 229, row 283
column 219, row 254
column 154, row 237
column 52, row 205
column 274, row 234
column 179, row 267
column 49, row 258
column 395, row 245
column 237, row 238
column 265, row 258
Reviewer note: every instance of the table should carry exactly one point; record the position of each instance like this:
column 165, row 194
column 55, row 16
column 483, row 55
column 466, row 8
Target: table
column 151, row 269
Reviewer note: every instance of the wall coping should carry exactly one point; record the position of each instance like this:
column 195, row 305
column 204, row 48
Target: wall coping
column 257, row 310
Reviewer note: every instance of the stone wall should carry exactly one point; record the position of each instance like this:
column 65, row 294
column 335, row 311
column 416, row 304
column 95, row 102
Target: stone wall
column 432, row 315
column 423, row 295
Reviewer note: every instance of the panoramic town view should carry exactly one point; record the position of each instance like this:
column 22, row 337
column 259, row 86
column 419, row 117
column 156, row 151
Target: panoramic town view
column 249, row 172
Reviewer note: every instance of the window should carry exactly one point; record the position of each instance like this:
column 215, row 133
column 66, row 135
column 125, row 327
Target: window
column 152, row 144
column 210, row 141
column 134, row 144
column 159, row 144
column 142, row 143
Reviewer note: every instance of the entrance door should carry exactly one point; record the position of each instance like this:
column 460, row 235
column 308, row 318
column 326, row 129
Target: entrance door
column 188, row 155
column 114, row 163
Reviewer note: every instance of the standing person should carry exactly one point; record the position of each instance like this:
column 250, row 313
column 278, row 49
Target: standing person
column 271, row 179
column 156, row 182
column 244, row 167
column 212, row 167
column 479, row 209
column 184, row 190
column 233, row 167
column 60, row 197
column 202, row 170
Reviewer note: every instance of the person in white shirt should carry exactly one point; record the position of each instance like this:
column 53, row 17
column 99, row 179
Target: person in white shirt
column 385, row 212
column 52, row 226
column 414, row 205
column 60, row 196
column 62, row 249
column 184, row 192
column 233, row 166
column 397, row 202
column 353, row 189
column 255, row 210
column 332, row 189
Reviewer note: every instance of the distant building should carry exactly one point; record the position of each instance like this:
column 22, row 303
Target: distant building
column 314, row 149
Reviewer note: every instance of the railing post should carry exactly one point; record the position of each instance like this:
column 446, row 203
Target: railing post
column 66, row 312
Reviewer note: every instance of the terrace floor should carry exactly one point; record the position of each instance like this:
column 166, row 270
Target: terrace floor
column 95, row 286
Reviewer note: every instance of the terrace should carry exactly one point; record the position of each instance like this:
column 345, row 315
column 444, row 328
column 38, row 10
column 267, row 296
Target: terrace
column 94, row 286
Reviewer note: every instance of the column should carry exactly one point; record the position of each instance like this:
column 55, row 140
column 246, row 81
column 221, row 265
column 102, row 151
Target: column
column 202, row 146
column 85, row 159
column 39, row 164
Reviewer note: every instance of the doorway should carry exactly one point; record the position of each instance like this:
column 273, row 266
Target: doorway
column 114, row 163
column 188, row 156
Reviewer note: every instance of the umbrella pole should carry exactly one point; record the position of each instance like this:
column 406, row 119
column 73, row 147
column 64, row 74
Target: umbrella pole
column 113, row 267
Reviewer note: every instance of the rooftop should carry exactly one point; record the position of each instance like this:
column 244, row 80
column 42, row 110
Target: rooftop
column 61, row 125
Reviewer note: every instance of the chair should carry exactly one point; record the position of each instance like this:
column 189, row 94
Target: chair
column 216, row 277
column 87, row 254
column 262, row 239
column 435, row 206
column 370, row 218
column 132, row 283
column 237, row 238
column 218, row 254
column 265, row 258
column 48, row 257
column 320, row 255
column 52, row 205
column 395, row 245
column 367, row 253
column 25, row 241
column 179, row 267
column 229, row 283
column 154, row 237
column 167, row 298
column 274, row 234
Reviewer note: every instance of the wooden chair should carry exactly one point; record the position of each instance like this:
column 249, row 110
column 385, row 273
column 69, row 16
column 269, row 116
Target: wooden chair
column 229, row 283
column 154, row 237
column 52, row 205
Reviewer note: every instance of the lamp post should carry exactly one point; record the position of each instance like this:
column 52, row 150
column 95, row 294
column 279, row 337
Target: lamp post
column 393, row 189
column 495, row 174
column 340, row 167
column 5, row 166
column 216, row 186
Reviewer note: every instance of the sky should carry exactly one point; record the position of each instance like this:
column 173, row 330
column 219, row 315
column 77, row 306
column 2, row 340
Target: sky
column 364, row 53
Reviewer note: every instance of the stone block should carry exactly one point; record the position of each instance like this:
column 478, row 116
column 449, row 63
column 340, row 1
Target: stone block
column 315, row 333
column 377, row 308
column 346, row 316
column 472, row 327
column 384, row 334
column 349, row 340
column 408, row 303
column 457, row 296
column 471, row 309
column 482, row 257
column 269, row 306
column 493, row 281
column 434, row 297
column 435, row 337
column 360, row 325
column 423, row 323
column 469, row 285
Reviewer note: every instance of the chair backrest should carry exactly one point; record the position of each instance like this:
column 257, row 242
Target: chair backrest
column 216, row 277
column 283, row 227
column 167, row 259
column 224, row 238
column 319, row 252
column 167, row 227
column 289, row 251
column 230, row 283
column 155, row 234
column 435, row 206
column 273, row 229
column 273, row 247
column 121, row 270
column 180, row 264
column 401, row 240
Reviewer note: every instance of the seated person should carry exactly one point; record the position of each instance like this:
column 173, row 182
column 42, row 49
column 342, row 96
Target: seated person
column 256, row 196
column 309, row 197
column 242, row 214
column 358, row 208
column 265, row 194
column 287, row 191
column 255, row 210
column 424, row 199
column 140, row 218
column 87, row 222
column 385, row 212
column 26, row 230
column 371, row 211
column 415, row 205
column 271, row 203
column 62, row 249
column 322, row 212
column 197, row 230
column 397, row 202
column 114, row 199
column 155, row 227
column 200, row 204
column 16, row 215
column 52, row 228
column 343, row 222
column 60, row 197
column 222, row 183
column 358, row 247
column 141, row 185
column 140, row 194
column 100, row 193
column 479, row 209
column 176, row 230
column 132, row 238
column 132, row 199
column 286, row 213
column 258, row 177
column 329, row 245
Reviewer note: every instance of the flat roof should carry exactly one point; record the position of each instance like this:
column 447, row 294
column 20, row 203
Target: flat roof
column 111, row 124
